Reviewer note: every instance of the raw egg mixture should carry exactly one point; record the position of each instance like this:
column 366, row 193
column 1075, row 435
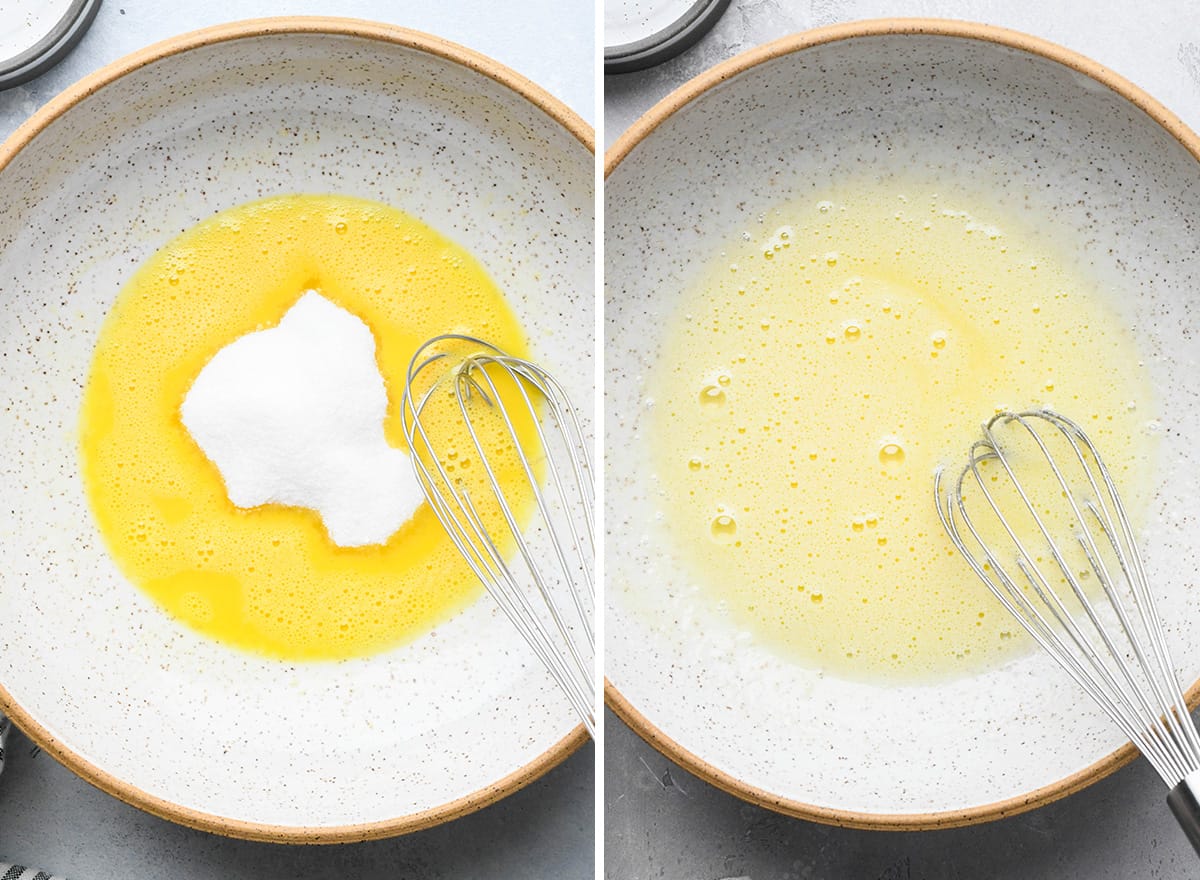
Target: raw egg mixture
column 822, row 368
column 268, row 578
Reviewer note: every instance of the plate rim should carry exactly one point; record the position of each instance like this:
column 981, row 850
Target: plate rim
column 430, row 44
column 639, row 131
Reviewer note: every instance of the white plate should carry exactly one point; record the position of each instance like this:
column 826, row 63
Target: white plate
column 1068, row 145
column 95, row 183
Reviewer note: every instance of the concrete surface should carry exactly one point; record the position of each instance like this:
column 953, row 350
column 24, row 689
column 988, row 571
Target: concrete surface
column 51, row 819
column 662, row 822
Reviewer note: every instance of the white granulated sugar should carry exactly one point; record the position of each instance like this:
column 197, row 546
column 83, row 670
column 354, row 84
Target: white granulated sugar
column 294, row 415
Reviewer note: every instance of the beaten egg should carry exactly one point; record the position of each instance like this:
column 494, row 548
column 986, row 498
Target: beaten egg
column 269, row 579
column 822, row 368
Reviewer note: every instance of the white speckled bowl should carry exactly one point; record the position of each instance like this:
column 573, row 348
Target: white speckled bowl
column 89, row 188
column 1074, row 148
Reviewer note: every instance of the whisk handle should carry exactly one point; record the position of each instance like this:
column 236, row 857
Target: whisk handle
column 1186, row 807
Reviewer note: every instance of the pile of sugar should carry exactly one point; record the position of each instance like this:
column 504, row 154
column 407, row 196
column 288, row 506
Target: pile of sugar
column 294, row 415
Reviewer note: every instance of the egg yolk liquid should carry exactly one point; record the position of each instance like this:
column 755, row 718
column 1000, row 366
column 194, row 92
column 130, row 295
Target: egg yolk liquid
column 268, row 579
column 816, row 376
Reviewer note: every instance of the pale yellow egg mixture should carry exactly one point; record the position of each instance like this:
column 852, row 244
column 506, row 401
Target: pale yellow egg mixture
column 269, row 579
column 816, row 375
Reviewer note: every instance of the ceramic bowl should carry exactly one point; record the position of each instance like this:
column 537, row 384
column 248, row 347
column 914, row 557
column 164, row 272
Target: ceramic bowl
column 96, row 182
column 1065, row 144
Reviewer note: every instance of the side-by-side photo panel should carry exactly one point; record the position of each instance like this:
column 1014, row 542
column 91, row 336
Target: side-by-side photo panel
column 899, row 481
column 861, row 344
column 297, row 441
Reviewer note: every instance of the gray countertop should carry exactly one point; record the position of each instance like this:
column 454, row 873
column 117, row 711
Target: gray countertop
column 51, row 819
column 662, row 822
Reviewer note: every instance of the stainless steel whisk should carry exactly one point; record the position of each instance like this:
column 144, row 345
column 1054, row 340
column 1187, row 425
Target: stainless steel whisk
column 1029, row 468
column 546, row 586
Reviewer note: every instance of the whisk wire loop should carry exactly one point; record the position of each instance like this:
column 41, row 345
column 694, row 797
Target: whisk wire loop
column 540, row 573
column 1030, row 615
column 1109, row 640
column 478, row 365
column 1165, row 684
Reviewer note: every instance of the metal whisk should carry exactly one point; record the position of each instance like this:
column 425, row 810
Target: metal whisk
column 1037, row 516
column 527, row 533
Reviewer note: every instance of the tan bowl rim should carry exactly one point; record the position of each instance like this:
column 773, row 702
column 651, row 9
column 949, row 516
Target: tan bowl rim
column 641, row 129
column 92, row 83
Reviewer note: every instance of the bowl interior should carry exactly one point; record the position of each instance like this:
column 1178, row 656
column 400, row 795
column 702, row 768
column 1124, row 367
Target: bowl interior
column 1118, row 194
column 156, row 713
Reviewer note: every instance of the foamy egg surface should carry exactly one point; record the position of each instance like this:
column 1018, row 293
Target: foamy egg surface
column 261, row 570
column 822, row 367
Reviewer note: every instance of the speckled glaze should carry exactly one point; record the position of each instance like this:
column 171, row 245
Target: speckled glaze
column 89, row 188
column 1111, row 175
